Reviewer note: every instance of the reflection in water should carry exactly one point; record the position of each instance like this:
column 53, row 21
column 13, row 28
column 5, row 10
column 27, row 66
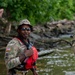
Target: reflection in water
column 69, row 72
column 61, row 63
column 2, row 64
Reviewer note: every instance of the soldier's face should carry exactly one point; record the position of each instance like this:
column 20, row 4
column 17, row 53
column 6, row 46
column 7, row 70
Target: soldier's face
column 25, row 31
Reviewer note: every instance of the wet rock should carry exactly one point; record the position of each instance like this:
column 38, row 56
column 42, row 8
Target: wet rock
column 34, row 36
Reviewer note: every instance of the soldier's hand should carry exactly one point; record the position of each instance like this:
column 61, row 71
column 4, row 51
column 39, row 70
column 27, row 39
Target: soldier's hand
column 25, row 55
column 34, row 71
column 22, row 57
column 28, row 52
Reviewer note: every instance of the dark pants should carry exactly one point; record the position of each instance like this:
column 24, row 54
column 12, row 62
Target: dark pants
column 16, row 72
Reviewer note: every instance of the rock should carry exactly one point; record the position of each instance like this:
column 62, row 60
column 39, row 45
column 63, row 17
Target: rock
column 34, row 36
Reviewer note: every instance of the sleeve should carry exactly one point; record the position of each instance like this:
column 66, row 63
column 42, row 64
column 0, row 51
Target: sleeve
column 11, row 59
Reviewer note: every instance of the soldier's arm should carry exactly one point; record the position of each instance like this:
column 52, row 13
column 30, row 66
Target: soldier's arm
column 11, row 58
column 34, row 71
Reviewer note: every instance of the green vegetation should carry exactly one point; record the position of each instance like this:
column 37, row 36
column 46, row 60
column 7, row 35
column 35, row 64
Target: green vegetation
column 38, row 11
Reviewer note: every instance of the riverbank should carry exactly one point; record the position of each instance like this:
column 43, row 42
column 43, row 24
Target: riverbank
column 60, row 62
column 44, row 36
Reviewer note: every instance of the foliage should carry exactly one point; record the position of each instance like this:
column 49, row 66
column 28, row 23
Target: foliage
column 38, row 11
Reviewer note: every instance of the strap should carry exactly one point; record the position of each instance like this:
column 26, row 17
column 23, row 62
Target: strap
column 26, row 44
column 12, row 71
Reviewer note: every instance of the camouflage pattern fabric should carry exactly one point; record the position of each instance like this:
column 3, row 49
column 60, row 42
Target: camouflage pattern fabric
column 14, row 48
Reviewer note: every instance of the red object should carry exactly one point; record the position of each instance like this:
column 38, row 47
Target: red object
column 32, row 59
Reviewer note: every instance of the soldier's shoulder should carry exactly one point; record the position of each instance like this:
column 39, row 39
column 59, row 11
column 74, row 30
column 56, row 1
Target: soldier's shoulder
column 13, row 41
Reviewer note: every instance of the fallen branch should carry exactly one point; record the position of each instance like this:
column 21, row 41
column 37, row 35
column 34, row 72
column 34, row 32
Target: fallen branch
column 45, row 52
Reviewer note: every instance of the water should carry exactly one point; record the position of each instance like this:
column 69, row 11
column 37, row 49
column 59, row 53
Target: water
column 60, row 62
column 66, row 36
column 2, row 64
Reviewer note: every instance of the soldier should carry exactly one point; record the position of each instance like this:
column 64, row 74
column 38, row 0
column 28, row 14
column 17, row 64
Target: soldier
column 19, row 49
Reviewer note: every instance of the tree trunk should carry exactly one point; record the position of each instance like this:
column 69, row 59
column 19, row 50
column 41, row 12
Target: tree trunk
column 8, row 28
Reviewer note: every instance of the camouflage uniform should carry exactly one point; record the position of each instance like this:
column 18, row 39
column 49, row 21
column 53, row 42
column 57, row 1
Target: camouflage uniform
column 14, row 48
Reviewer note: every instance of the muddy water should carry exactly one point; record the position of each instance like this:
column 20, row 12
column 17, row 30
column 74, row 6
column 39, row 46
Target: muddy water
column 61, row 62
column 2, row 64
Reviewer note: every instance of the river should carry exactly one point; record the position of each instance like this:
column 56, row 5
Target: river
column 60, row 62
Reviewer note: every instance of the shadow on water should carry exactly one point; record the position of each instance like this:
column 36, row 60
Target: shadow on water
column 61, row 62
column 2, row 64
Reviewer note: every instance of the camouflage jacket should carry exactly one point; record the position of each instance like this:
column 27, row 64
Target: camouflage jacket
column 14, row 48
